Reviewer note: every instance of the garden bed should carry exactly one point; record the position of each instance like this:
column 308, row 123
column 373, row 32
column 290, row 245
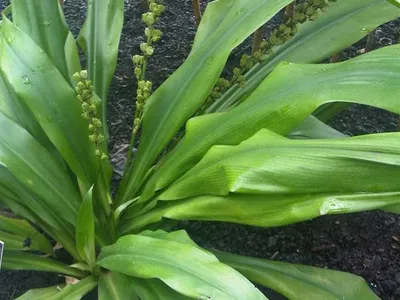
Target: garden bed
column 366, row 244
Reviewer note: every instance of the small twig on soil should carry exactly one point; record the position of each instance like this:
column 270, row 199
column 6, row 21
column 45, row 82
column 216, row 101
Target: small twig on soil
column 257, row 39
column 275, row 255
column 335, row 58
column 370, row 42
column 323, row 247
column 289, row 11
column 197, row 11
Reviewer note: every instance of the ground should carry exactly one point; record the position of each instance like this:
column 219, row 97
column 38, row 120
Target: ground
column 366, row 244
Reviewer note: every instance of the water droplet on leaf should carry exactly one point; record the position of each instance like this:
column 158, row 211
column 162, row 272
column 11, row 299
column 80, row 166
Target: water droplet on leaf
column 10, row 39
column 26, row 80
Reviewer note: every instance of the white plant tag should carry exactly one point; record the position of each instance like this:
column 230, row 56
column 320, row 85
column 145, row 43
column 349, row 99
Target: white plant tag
column 1, row 252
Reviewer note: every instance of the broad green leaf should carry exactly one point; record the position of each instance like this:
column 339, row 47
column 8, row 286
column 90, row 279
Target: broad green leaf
column 261, row 210
column 85, row 236
column 14, row 108
column 41, row 294
column 78, row 290
column 194, row 273
column 395, row 2
column 29, row 71
column 184, row 92
column 268, row 164
column 298, row 282
column 43, row 22
column 155, row 289
column 62, row 292
column 37, row 170
column 16, row 260
column 99, row 39
column 281, row 103
column 344, row 23
column 116, row 286
column 312, row 128
column 31, row 238
column 26, row 204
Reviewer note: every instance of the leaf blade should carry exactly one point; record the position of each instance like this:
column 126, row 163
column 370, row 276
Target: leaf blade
column 194, row 274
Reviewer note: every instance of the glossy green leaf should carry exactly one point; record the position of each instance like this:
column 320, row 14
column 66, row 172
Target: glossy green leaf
column 26, row 204
column 395, row 2
column 298, row 282
column 281, row 103
column 155, row 289
column 43, row 21
column 99, row 39
column 16, row 260
column 29, row 71
column 85, row 236
column 184, row 92
column 344, row 23
column 62, row 292
column 262, row 211
column 269, row 164
column 78, row 290
column 37, row 170
column 116, row 286
column 194, row 273
column 270, row 181
column 41, row 294
column 31, row 238
column 312, row 128
column 14, row 108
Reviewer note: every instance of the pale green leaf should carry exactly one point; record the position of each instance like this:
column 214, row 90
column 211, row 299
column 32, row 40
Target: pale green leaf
column 298, row 282
column 344, row 23
column 281, row 103
column 179, row 97
column 312, row 128
column 194, row 273
column 269, row 164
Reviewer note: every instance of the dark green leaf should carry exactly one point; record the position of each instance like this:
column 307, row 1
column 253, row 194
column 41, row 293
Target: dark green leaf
column 16, row 260
column 99, row 39
column 30, row 237
column 43, row 22
column 85, row 236
column 116, row 286
column 29, row 71
column 155, row 289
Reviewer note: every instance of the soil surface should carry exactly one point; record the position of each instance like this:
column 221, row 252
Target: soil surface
column 366, row 244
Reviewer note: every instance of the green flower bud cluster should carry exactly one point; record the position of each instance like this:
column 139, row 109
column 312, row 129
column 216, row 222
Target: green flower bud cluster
column 307, row 10
column 153, row 35
column 84, row 90
column 142, row 94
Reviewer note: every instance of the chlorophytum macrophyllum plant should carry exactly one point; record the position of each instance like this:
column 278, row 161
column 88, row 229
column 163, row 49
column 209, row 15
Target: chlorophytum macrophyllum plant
column 255, row 150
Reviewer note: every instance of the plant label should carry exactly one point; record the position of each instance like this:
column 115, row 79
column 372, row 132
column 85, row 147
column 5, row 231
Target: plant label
column 1, row 252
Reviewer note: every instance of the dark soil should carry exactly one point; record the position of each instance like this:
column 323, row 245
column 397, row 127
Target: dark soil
column 365, row 244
